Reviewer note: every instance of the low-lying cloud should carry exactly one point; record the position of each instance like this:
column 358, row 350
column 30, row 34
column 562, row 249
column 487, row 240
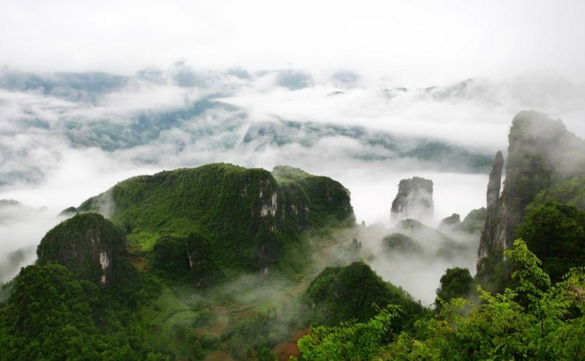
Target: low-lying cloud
column 58, row 149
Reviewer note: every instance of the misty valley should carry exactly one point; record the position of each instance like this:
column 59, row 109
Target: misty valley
column 229, row 228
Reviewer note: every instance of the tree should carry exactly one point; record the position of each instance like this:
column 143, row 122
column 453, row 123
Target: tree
column 536, row 320
column 348, row 341
column 556, row 234
column 456, row 282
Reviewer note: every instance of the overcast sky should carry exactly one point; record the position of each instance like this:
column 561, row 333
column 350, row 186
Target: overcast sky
column 414, row 43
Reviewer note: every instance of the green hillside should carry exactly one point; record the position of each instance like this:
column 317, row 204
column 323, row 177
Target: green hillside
column 247, row 220
column 221, row 262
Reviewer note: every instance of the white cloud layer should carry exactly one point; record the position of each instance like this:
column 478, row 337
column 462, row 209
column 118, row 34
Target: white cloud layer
column 334, row 69
column 414, row 43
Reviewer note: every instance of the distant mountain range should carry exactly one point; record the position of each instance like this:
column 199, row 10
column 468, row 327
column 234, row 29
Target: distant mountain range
column 177, row 114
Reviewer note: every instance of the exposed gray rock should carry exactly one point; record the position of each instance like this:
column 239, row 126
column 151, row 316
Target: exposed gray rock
column 489, row 238
column 414, row 200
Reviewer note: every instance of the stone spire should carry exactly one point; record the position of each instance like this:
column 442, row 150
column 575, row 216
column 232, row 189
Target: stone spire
column 489, row 235
column 414, row 199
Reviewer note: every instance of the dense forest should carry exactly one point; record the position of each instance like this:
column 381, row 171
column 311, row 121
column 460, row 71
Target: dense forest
column 223, row 262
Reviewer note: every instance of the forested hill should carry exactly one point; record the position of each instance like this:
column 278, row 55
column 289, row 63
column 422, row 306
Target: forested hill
column 225, row 218
column 221, row 262
column 187, row 232
column 531, row 261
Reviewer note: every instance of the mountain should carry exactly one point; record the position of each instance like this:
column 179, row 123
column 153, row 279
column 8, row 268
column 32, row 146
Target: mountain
column 209, row 245
column 412, row 239
column 194, row 115
column 472, row 224
column 356, row 292
column 543, row 156
column 91, row 247
column 219, row 220
column 191, row 233
column 414, row 199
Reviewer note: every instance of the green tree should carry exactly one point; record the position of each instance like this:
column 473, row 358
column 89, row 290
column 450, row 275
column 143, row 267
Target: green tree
column 355, row 292
column 536, row 320
column 556, row 234
column 348, row 341
column 456, row 282
column 51, row 315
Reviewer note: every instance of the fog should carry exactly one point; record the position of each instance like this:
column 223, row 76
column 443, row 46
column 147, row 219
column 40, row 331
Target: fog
column 64, row 141
column 94, row 93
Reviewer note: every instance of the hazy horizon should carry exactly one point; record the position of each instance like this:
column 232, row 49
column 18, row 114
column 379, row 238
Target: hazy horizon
column 412, row 44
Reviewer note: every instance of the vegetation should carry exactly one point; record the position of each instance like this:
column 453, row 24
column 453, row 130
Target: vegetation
column 474, row 221
column 210, row 244
column 185, row 260
column 355, row 292
column 188, row 231
column 329, row 200
column 51, row 315
column 536, row 320
column 397, row 242
column 91, row 247
column 455, row 283
column 570, row 192
column 249, row 222
column 411, row 237
column 545, row 162
column 556, row 234
column 348, row 341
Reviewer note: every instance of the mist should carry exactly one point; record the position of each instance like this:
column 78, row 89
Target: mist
column 368, row 94
column 22, row 228
column 66, row 140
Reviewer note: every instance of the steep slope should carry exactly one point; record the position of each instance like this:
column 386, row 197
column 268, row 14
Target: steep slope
column 329, row 200
column 488, row 240
column 414, row 199
column 472, row 224
column 92, row 247
column 542, row 155
column 243, row 220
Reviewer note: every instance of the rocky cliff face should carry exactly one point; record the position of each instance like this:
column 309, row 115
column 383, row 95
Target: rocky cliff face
column 414, row 199
column 328, row 200
column 92, row 247
column 489, row 239
column 541, row 154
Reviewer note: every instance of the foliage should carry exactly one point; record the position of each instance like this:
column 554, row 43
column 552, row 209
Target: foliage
column 329, row 200
column 185, row 260
column 249, row 337
column 570, row 192
column 536, row 320
column 397, row 242
column 556, row 234
column 348, row 341
column 516, row 324
column 249, row 221
column 455, row 283
column 83, row 243
column 52, row 316
column 355, row 292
